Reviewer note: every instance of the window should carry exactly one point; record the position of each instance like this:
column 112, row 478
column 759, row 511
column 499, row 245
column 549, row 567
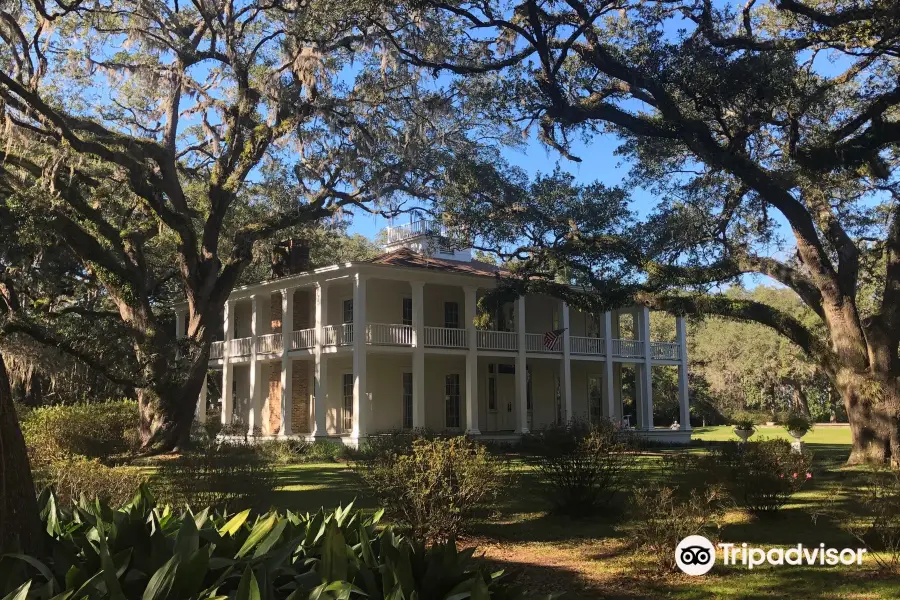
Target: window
column 407, row 401
column 594, row 397
column 347, row 413
column 451, row 315
column 451, row 397
column 492, row 394
column 348, row 311
column 407, row 311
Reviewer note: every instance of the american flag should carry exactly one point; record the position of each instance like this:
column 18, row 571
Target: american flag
column 551, row 337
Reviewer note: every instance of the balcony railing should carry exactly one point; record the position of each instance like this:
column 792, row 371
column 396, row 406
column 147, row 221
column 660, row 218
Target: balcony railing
column 385, row 334
column 534, row 342
column 240, row 347
column 665, row 350
column 392, row 334
column 445, row 337
column 586, row 345
column 398, row 233
column 338, row 335
column 303, row 339
column 497, row 340
column 269, row 343
column 628, row 348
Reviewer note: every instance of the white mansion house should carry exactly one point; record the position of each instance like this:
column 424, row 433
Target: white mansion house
column 354, row 349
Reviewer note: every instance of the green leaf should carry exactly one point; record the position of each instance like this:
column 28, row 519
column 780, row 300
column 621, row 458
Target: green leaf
column 234, row 525
column 188, row 539
column 162, row 581
column 257, row 534
column 107, row 566
column 333, row 566
column 20, row 593
column 41, row 567
column 271, row 539
column 248, row 589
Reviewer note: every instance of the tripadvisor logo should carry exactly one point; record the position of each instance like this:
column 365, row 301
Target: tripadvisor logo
column 696, row 555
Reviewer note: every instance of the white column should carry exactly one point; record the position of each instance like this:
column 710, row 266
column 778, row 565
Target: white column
column 683, row 396
column 418, row 357
column 471, row 364
column 321, row 366
column 565, row 379
column 360, row 390
column 521, row 373
column 287, row 381
column 201, row 403
column 254, row 420
column 609, row 390
column 227, row 370
column 645, row 371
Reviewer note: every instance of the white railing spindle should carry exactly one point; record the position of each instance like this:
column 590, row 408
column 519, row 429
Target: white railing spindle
column 497, row 340
column 665, row 350
column 269, row 343
column 216, row 350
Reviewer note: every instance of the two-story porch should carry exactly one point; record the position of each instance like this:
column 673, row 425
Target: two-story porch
column 291, row 345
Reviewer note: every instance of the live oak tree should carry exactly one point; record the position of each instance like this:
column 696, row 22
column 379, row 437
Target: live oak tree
column 768, row 130
column 138, row 134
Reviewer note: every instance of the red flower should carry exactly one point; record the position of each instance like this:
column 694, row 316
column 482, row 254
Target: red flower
column 795, row 476
column 809, row 475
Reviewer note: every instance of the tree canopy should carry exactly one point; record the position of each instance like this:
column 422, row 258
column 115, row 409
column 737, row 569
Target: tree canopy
column 768, row 132
column 160, row 142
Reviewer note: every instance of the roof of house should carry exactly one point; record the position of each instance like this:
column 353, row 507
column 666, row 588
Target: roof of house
column 404, row 257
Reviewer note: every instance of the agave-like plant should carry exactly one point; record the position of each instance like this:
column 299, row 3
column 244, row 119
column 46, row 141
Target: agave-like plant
column 150, row 552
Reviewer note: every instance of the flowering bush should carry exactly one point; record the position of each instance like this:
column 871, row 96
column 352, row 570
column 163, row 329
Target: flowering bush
column 760, row 476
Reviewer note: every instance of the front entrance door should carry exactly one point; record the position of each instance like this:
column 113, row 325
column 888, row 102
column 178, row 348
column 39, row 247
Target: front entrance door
column 506, row 393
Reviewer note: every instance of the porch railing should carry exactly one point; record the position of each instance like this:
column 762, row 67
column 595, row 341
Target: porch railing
column 216, row 350
column 534, row 342
column 269, row 343
column 387, row 334
column 303, row 339
column 628, row 348
column 586, row 345
column 240, row 347
column 338, row 335
column 665, row 350
column 497, row 340
column 445, row 337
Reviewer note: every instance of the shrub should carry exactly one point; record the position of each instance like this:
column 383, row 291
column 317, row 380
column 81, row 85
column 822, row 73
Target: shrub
column 145, row 551
column 660, row 518
column 74, row 478
column 582, row 467
column 797, row 422
column 760, row 476
column 283, row 452
column 227, row 475
column 434, row 491
column 879, row 529
column 744, row 420
column 100, row 430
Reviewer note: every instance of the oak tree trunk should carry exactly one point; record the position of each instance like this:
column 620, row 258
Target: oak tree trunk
column 20, row 524
column 167, row 407
column 871, row 402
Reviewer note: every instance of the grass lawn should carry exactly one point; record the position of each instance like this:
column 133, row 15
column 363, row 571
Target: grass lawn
column 823, row 434
column 590, row 559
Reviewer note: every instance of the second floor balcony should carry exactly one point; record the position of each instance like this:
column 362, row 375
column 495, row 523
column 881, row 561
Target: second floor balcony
column 334, row 337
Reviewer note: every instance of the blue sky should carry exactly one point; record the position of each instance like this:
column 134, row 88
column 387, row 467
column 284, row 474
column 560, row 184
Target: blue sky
column 599, row 163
